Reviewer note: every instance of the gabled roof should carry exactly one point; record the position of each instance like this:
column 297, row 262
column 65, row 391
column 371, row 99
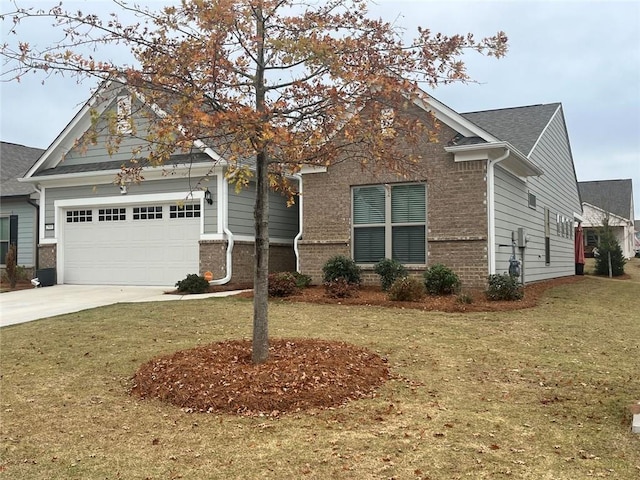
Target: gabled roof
column 520, row 126
column 612, row 196
column 101, row 98
column 16, row 161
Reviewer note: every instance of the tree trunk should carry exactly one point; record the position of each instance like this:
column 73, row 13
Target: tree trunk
column 260, row 347
column 260, row 351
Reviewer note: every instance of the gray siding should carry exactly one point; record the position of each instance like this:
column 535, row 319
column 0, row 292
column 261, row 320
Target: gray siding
column 100, row 151
column 556, row 190
column 146, row 187
column 283, row 220
column 26, row 229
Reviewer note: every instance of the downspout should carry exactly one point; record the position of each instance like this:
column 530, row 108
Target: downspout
column 229, row 235
column 299, row 235
column 491, row 214
column 37, row 207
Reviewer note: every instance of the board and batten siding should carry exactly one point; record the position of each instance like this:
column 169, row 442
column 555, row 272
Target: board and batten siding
column 283, row 220
column 556, row 190
column 26, row 229
column 146, row 187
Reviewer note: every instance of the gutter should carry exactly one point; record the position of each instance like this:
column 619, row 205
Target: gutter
column 491, row 214
column 297, row 238
column 227, row 232
column 37, row 207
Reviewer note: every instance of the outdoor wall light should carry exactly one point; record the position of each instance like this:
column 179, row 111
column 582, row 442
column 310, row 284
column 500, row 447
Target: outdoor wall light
column 123, row 189
column 207, row 196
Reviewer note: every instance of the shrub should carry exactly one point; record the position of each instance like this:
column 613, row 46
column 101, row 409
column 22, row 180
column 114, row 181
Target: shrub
column 464, row 298
column 340, row 288
column 617, row 259
column 504, row 287
column 302, row 280
column 341, row 267
column 282, row 284
column 441, row 280
column 389, row 271
column 193, row 283
column 10, row 261
column 407, row 289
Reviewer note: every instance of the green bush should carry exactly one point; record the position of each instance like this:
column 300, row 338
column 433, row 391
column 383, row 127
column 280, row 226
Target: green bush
column 617, row 259
column 407, row 289
column 341, row 288
column 193, row 283
column 341, row 267
column 441, row 280
column 302, row 280
column 282, row 284
column 504, row 287
column 389, row 271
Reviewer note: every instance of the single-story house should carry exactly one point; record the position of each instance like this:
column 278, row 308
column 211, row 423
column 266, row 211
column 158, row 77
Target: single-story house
column 610, row 200
column 497, row 184
column 18, row 205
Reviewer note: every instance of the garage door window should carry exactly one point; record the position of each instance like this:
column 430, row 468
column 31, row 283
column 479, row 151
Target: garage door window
column 184, row 211
column 111, row 214
column 79, row 216
column 147, row 213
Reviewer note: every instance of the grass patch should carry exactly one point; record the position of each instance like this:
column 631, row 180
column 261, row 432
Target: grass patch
column 538, row 393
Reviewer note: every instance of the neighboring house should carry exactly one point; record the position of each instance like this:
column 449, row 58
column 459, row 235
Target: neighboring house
column 496, row 181
column 181, row 219
column 18, row 205
column 610, row 200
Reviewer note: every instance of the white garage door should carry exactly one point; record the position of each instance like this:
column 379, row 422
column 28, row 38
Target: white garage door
column 132, row 245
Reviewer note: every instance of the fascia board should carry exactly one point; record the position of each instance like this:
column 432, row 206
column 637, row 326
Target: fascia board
column 604, row 212
column 453, row 119
column 522, row 164
column 107, row 176
column 307, row 169
column 66, row 139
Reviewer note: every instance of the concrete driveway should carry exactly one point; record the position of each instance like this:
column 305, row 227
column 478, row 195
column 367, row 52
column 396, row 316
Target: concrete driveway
column 32, row 304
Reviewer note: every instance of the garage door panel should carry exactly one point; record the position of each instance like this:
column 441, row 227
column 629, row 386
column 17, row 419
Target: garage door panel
column 157, row 251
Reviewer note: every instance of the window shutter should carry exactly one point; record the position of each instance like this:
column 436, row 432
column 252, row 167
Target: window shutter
column 368, row 246
column 408, row 204
column 368, row 205
column 409, row 244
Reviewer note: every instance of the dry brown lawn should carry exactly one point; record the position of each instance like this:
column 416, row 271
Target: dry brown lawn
column 539, row 393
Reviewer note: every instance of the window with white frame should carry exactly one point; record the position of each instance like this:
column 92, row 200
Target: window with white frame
column 184, row 211
column 389, row 221
column 111, row 214
column 79, row 216
column 147, row 213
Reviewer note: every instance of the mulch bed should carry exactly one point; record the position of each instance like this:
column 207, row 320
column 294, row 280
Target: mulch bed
column 446, row 303
column 301, row 374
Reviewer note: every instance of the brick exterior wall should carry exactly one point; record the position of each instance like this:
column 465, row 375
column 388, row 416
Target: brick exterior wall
column 456, row 212
column 213, row 254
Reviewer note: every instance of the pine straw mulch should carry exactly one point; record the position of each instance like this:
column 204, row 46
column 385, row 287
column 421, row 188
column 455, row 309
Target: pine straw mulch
column 374, row 296
column 301, row 374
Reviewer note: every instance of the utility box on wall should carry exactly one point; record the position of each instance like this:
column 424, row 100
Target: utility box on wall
column 522, row 237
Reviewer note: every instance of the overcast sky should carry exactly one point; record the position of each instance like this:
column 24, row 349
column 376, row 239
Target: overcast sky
column 584, row 54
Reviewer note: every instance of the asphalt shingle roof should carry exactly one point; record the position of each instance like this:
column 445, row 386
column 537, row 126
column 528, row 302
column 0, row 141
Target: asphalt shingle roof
column 15, row 161
column 62, row 169
column 612, row 196
column 520, row 126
